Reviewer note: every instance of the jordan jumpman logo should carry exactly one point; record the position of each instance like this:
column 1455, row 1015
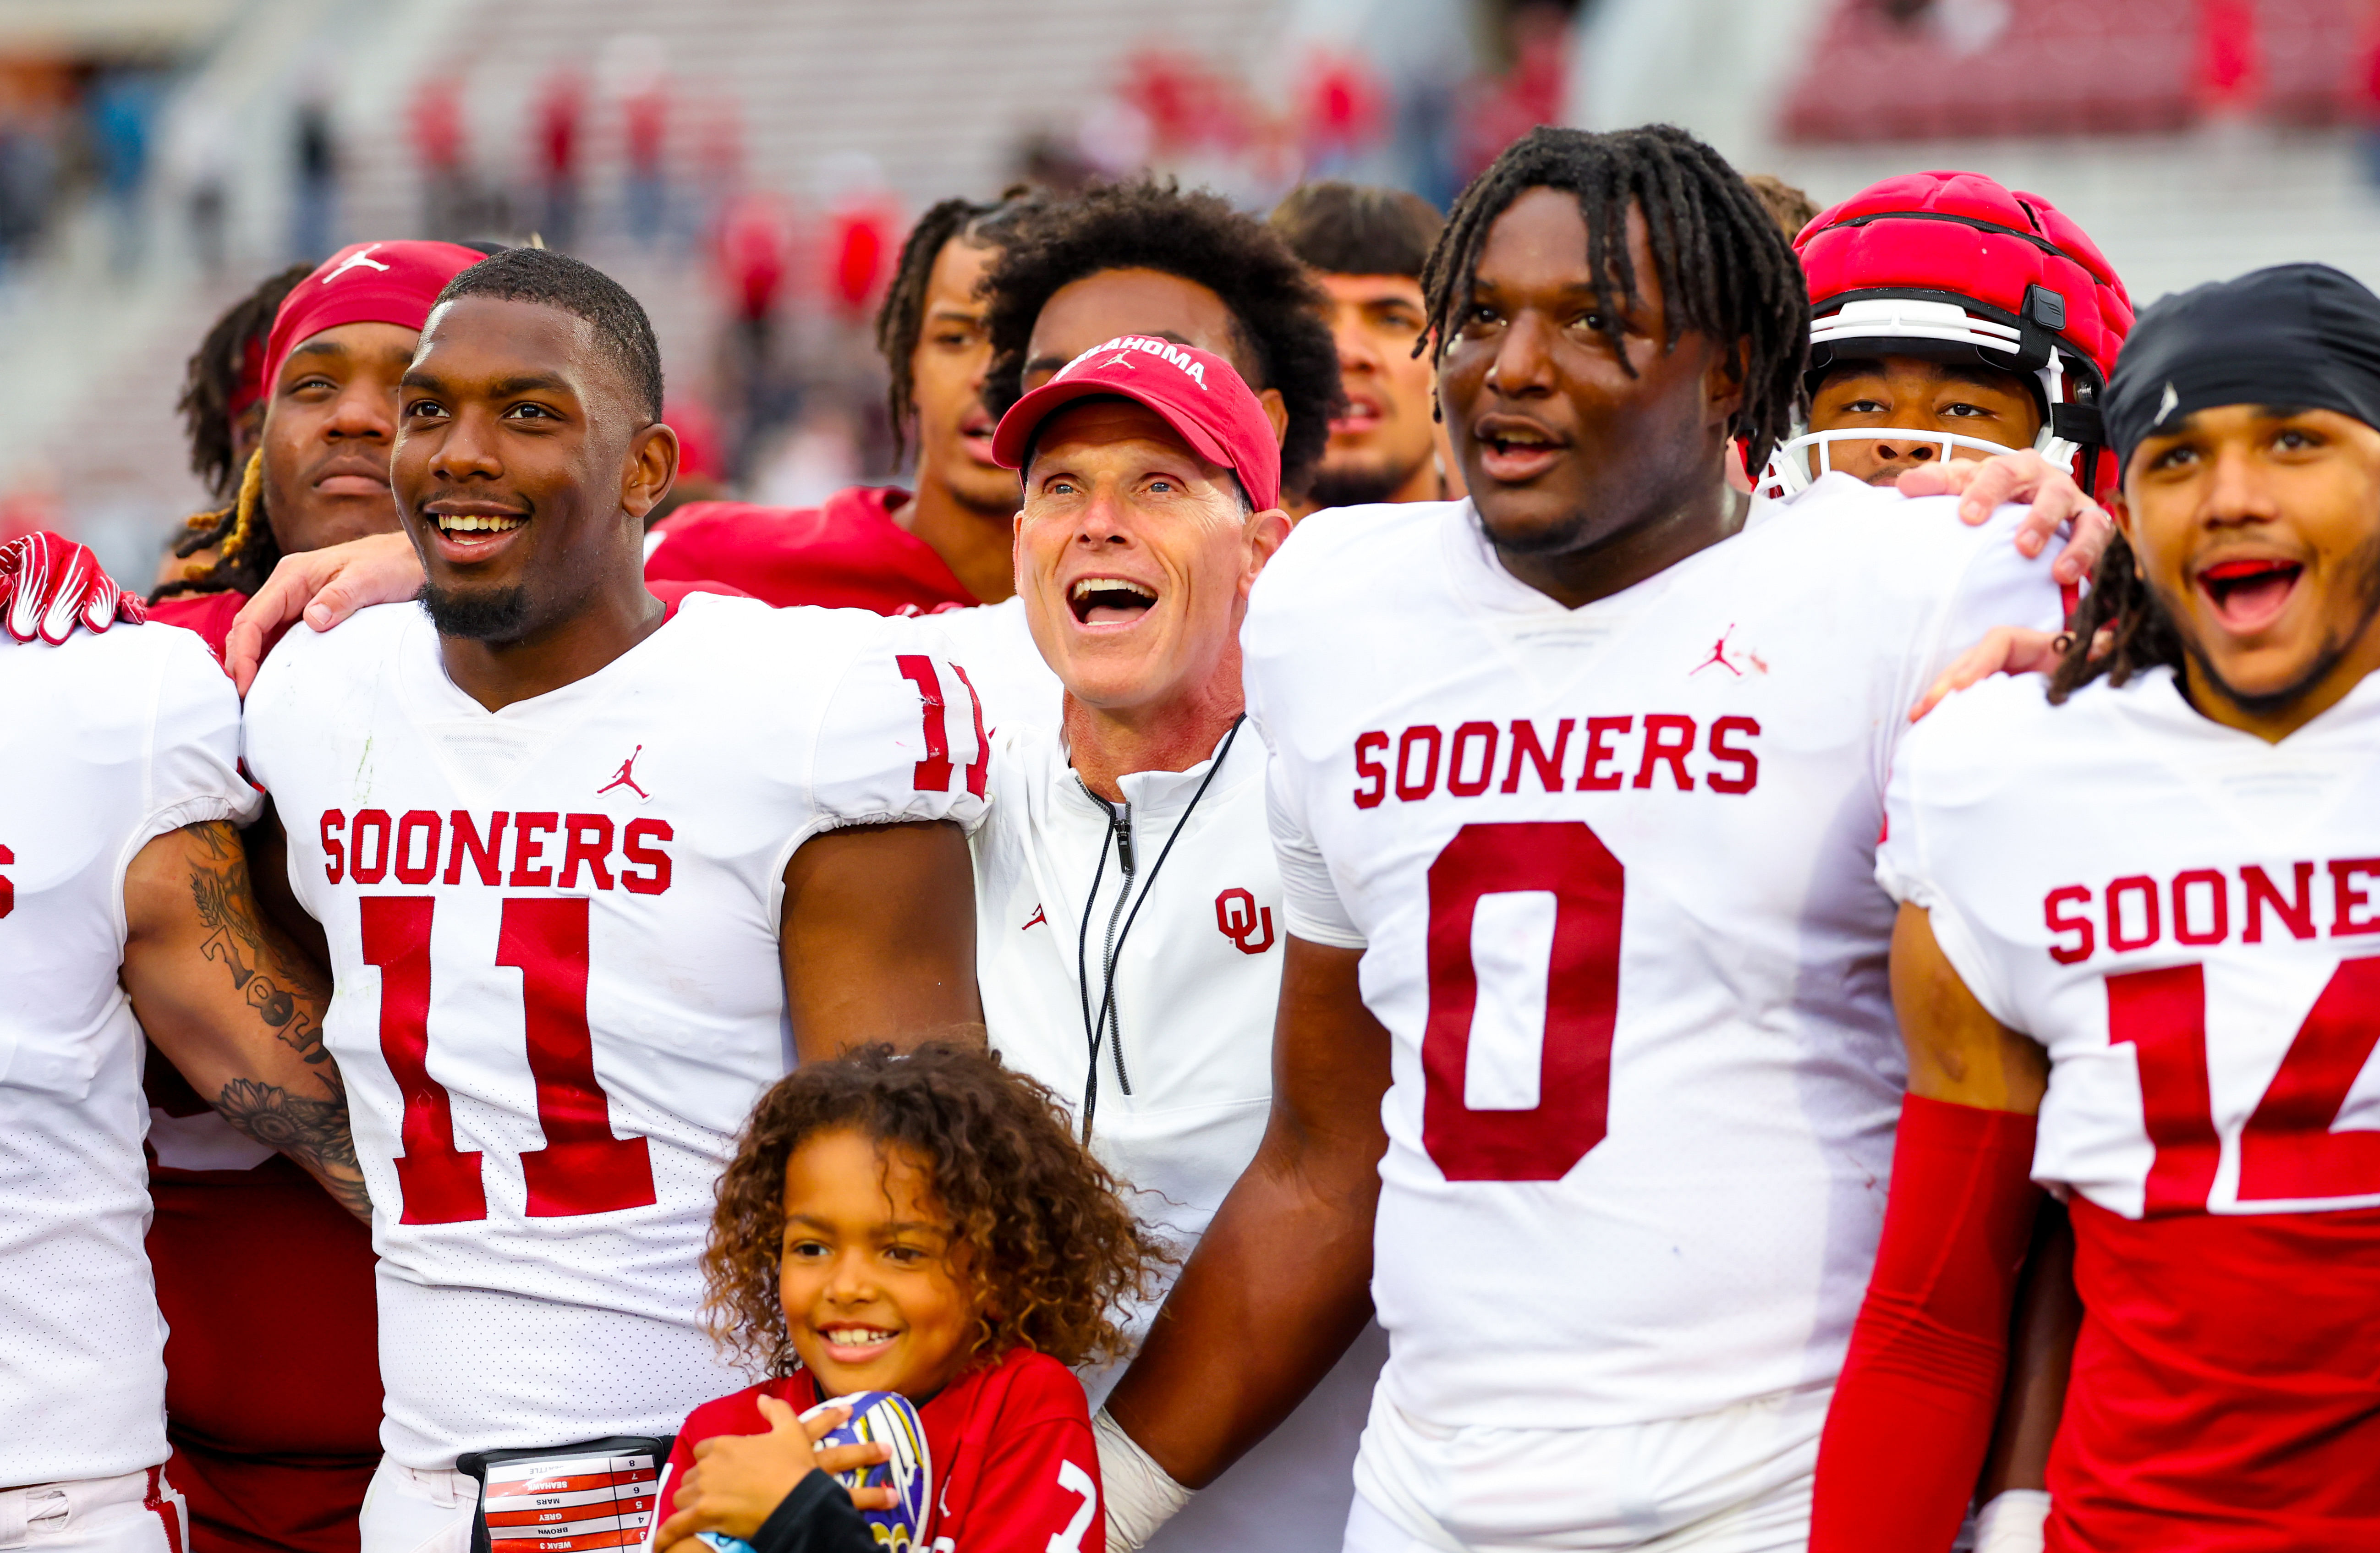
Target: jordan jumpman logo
column 1718, row 656
column 626, row 777
column 361, row 259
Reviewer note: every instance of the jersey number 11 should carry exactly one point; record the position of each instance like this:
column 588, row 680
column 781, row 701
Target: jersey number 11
column 582, row 1169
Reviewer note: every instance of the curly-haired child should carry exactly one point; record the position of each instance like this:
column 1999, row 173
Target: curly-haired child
column 927, row 1225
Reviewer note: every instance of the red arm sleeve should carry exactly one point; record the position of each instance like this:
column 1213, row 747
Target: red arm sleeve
column 1039, row 1492
column 1913, row 1413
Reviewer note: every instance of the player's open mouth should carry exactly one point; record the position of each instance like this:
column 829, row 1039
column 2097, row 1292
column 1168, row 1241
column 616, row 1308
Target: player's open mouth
column 2249, row 593
column 1514, row 451
column 856, row 1345
column 1110, row 601
column 975, row 432
column 472, row 531
column 1363, row 414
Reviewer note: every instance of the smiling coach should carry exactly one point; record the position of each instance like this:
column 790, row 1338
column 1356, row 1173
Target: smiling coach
column 1129, row 934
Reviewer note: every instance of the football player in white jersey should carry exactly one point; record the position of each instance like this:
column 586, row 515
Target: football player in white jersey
column 125, row 902
column 1128, row 937
column 592, row 872
column 2151, row 996
column 1576, row 793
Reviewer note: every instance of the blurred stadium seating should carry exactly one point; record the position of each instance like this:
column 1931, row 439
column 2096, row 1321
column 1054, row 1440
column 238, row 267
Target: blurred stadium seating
column 2192, row 137
column 2040, row 68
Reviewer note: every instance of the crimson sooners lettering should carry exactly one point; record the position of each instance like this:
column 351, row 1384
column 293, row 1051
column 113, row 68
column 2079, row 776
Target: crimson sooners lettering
column 1425, row 760
column 2289, row 1151
column 583, row 1168
column 2201, row 906
column 550, row 850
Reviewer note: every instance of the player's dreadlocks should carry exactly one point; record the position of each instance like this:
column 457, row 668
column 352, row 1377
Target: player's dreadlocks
column 1150, row 225
column 903, row 316
column 209, row 382
column 2140, row 634
column 1725, row 268
column 214, row 375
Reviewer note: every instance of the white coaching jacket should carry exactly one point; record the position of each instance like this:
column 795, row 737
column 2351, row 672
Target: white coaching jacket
column 1177, row 890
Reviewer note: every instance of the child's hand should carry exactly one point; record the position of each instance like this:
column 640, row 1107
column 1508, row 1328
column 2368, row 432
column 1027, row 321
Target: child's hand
column 738, row 1480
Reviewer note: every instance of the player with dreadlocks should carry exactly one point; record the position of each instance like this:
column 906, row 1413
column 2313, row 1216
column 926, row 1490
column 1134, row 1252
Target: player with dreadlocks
column 223, row 414
column 2142, row 998
column 943, row 546
column 316, row 471
column 1585, row 1061
column 291, row 409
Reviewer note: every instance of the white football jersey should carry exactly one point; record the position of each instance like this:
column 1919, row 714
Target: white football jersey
column 1613, row 871
column 1185, row 1067
column 2179, row 911
column 112, row 741
column 553, row 931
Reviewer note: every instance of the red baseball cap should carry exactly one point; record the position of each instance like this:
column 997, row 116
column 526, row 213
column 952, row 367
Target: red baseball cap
column 365, row 283
column 1199, row 395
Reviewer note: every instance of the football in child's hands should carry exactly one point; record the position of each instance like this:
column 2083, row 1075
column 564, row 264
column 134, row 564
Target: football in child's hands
column 886, row 1417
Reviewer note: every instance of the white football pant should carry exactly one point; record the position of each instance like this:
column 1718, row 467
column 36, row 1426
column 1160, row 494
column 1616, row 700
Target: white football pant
column 1735, row 1481
column 137, row 1513
column 409, row 1511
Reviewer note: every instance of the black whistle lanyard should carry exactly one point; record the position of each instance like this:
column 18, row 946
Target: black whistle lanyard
column 1110, row 1018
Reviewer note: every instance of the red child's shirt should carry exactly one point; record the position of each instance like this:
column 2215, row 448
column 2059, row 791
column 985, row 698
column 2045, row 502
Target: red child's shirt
column 1016, row 1469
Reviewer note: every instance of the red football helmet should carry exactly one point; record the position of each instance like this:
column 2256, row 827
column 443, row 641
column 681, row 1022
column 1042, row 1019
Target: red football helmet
column 1953, row 266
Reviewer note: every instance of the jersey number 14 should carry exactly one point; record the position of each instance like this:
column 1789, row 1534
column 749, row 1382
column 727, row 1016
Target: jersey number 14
column 582, row 1169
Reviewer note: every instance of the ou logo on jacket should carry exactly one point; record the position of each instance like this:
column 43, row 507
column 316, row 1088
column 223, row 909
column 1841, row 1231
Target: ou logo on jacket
column 1238, row 918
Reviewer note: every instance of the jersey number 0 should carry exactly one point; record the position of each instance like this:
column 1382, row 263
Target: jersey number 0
column 582, row 1169
column 1569, row 863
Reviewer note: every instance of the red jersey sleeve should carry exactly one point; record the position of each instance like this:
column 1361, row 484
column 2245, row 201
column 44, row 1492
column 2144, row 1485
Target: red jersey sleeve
column 1039, row 1492
column 1024, row 1476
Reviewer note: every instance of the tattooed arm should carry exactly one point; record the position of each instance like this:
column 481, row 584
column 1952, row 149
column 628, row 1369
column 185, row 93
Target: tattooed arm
column 231, row 1003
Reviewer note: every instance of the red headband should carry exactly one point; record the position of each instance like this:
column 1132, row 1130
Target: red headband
column 250, row 386
column 364, row 283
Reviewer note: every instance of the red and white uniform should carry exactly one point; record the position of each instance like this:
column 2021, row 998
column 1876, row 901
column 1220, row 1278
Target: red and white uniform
column 113, row 740
column 553, row 931
column 1612, row 868
column 2188, row 919
column 1014, row 1468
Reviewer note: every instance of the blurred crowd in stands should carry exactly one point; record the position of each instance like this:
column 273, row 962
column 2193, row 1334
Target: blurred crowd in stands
column 609, row 152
